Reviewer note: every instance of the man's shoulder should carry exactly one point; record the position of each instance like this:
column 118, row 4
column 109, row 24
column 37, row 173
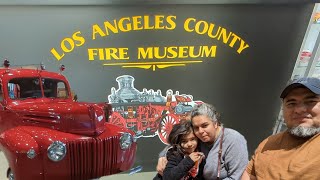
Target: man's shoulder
column 272, row 141
column 276, row 137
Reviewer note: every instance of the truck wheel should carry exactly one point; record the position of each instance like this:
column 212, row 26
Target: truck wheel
column 165, row 127
column 10, row 175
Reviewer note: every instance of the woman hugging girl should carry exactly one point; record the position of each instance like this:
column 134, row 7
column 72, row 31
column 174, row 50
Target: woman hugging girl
column 184, row 160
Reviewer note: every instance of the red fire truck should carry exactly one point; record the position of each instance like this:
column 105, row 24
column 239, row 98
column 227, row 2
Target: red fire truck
column 46, row 135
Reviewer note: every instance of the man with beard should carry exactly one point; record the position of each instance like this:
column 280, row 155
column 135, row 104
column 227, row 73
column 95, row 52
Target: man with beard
column 293, row 154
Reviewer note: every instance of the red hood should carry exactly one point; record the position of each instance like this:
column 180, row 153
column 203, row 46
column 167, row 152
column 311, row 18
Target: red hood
column 66, row 116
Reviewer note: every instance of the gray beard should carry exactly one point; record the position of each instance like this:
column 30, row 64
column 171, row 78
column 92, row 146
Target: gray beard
column 304, row 132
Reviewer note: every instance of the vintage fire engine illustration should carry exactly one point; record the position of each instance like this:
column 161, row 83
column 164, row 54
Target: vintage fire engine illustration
column 148, row 113
column 45, row 134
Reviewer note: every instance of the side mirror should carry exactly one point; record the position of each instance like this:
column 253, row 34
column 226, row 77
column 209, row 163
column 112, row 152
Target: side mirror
column 75, row 98
column 2, row 106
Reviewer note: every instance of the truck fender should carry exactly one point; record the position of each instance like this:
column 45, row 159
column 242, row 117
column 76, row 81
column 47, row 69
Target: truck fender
column 15, row 144
column 15, row 140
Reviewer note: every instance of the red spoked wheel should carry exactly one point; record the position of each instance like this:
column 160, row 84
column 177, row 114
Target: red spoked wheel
column 165, row 126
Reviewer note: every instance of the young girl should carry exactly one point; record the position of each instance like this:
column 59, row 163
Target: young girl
column 184, row 162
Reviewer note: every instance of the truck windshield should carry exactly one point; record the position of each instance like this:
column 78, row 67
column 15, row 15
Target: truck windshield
column 21, row 88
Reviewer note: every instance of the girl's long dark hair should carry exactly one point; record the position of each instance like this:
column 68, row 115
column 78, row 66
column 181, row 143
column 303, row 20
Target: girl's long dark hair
column 176, row 134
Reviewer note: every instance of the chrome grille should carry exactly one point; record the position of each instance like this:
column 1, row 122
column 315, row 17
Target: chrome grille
column 92, row 158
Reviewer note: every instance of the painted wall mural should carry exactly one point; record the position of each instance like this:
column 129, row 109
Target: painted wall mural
column 148, row 113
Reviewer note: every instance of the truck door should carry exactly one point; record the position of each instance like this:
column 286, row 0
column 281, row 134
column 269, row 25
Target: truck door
column 7, row 119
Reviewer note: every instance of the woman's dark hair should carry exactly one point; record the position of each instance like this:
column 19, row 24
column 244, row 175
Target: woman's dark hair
column 206, row 110
column 177, row 133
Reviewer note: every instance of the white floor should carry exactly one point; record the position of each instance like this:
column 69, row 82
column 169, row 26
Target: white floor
column 3, row 166
column 137, row 176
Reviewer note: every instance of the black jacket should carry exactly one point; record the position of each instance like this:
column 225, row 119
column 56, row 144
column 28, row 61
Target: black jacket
column 178, row 167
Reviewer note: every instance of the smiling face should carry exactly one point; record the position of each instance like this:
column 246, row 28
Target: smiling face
column 204, row 128
column 189, row 143
column 301, row 108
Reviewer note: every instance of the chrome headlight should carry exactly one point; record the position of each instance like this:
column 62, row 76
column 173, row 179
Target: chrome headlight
column 57, row 150
column 126, row 140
